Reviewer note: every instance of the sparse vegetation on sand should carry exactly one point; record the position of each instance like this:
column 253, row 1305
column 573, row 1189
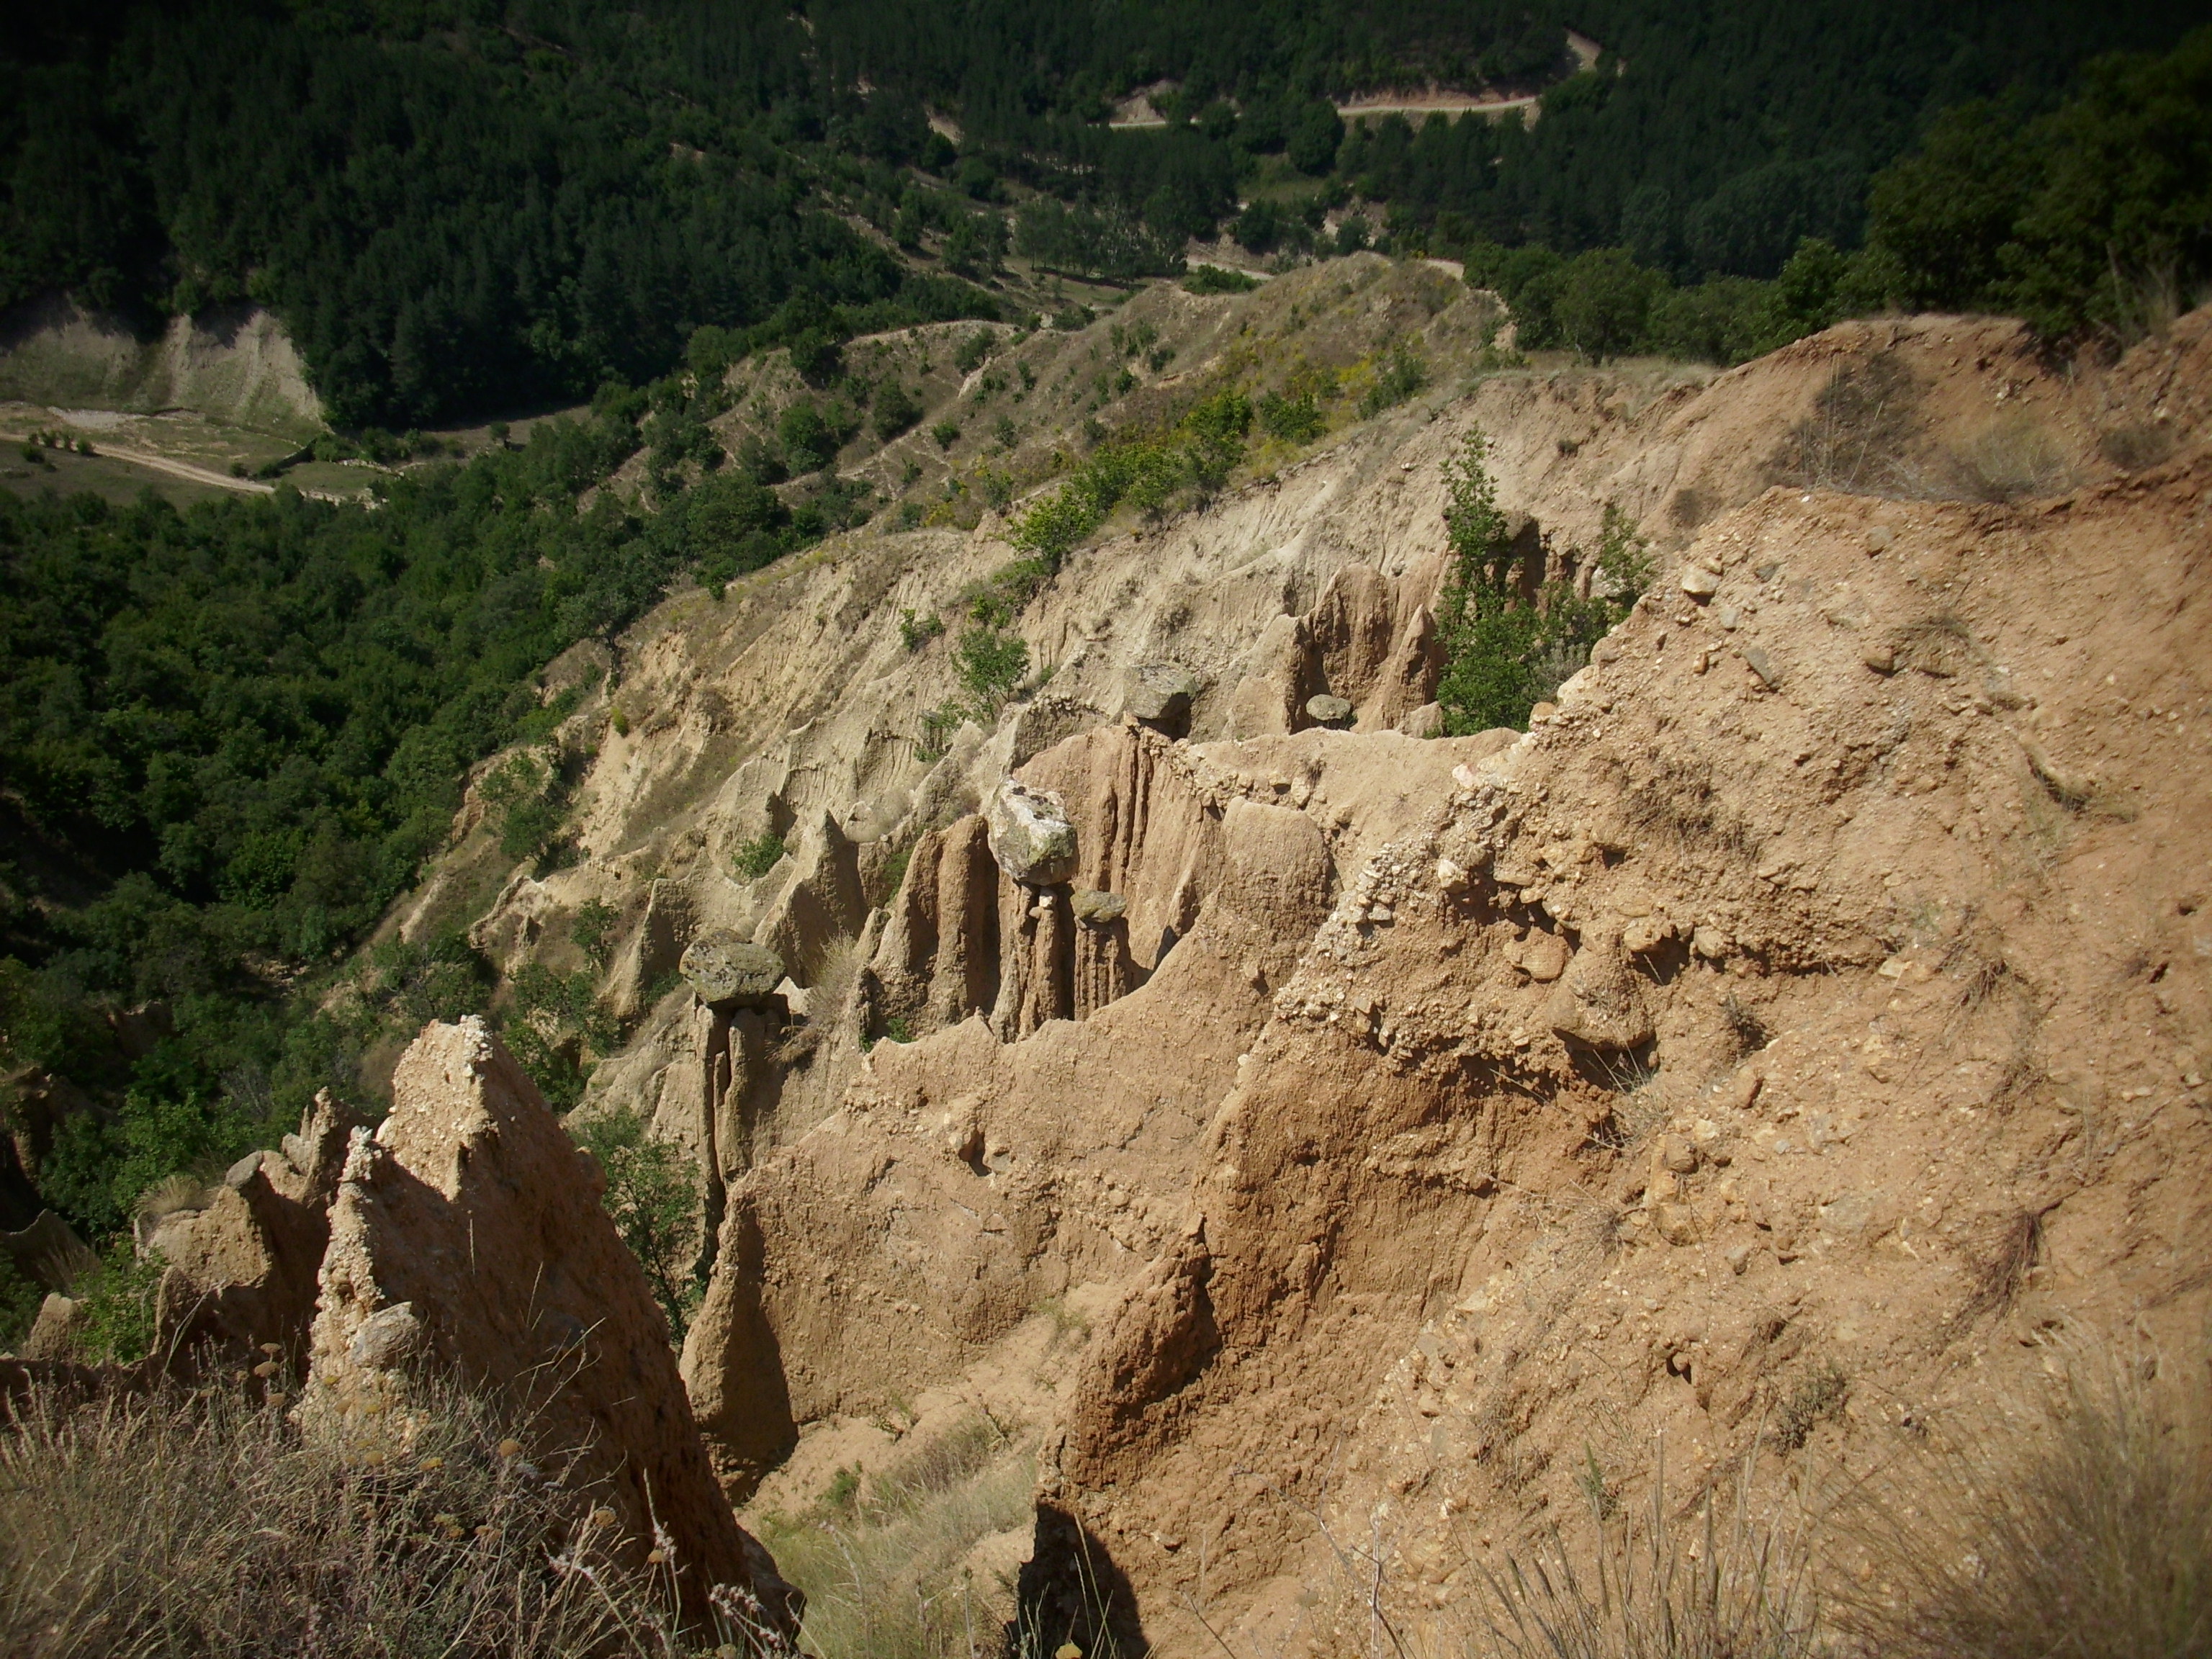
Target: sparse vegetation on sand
column 886, row 1561
column 1191, row 460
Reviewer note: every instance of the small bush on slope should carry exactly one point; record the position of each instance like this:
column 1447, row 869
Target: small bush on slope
column 1198, row 453
column 20, row 1299
column 1511, row 634
column 116, row 1297
column 1397, row 377
column 758, row 856
column 991, row 664
column 652, row 1198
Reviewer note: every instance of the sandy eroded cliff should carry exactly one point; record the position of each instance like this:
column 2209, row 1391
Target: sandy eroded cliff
column 1798, row 1024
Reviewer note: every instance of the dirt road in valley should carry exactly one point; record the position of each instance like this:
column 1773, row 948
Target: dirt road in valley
column 175, row 468
column 1439, row 101
column 186, row 470
column 1136, row 111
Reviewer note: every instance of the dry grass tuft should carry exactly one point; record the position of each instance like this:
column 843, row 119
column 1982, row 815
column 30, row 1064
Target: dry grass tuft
column 2087, row 1535
column 1999, row 1275
column 202, row 1522
column 2079, row 1532
column 2013, row 456
column 1747, row 1032
column 883, row 1564
column 173, row 1195
column 2134, row 448
column 1859, row 436
column 1681, row 801
column 1726, row 1587
column 1818, row 1395
column 830, row 979
column 1975, row 962
column 1724, row 1581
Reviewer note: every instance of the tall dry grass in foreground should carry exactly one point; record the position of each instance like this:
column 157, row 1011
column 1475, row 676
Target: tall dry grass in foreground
column 2085, row 1532
column 1733, row 1580
column 195, row 1524
column 2078, row 1526
column 184, row 1524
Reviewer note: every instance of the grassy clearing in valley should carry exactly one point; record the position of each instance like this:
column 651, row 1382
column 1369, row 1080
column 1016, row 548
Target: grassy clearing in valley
column 108, row 477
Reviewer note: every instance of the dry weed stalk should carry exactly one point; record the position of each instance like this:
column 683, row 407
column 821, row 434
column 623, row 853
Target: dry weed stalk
column 834, row 970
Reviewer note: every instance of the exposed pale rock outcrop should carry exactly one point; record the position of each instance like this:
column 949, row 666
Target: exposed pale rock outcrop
column 1030, row 834
column 234, row 363
column 730, row 973
column 466, row 1239
column 1160, row 694
column 242, row 1269
column 1059, row 1142
column 1696, row 1056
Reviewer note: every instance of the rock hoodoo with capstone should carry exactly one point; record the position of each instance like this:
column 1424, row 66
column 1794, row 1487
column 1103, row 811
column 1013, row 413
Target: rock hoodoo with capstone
column 1160, row 693
column 730, row 972
column 1030, row 834
column 1097, row 908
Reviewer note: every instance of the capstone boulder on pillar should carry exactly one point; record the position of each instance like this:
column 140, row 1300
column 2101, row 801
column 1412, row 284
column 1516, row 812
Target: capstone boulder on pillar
column 1030, row 836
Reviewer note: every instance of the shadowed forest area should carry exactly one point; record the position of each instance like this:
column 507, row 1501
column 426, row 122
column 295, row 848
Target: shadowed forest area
column 456, row 206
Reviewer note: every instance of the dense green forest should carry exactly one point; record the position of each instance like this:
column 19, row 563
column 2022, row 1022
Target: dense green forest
column 453, row 215
column 459, row 206
column 233, row 734
column 1708, row 138
column 230, row 736
column 2091, row 221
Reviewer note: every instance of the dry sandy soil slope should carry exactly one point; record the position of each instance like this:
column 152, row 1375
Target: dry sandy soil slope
column 1362, row 1134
